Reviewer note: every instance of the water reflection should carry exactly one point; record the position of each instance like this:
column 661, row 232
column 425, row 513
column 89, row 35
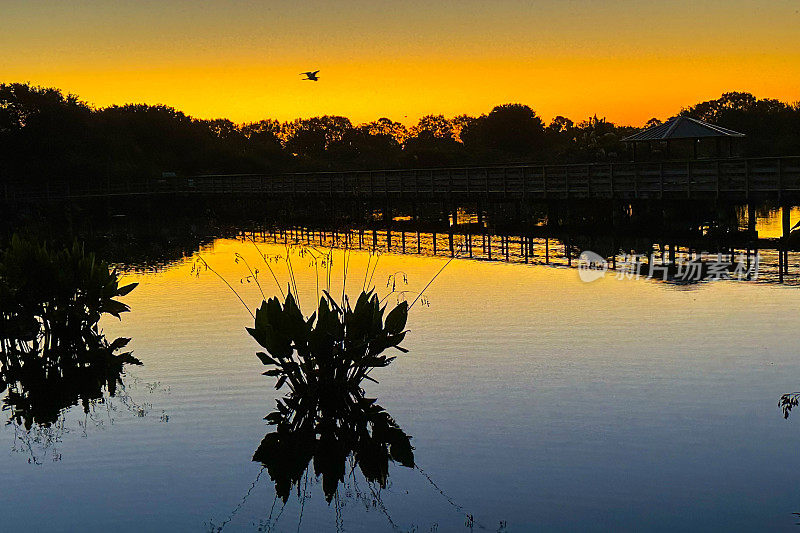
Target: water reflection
column 326, row 418
column 326, row 431
column 336, row 434
column 157, row 233
column 52, row 353
column 42, row 381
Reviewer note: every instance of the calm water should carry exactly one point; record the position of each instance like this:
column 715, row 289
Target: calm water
column 535, row 402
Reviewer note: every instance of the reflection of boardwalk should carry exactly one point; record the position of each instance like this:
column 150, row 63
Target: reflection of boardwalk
column 557, row 252
column 731, row 179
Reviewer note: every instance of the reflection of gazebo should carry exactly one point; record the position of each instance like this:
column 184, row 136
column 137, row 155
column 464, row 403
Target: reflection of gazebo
column 686, row 131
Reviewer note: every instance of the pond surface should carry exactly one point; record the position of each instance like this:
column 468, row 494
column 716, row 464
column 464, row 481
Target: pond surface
column 535, row 402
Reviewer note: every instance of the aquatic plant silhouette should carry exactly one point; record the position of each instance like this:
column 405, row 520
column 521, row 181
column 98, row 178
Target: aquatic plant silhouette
column 333, row 350
column 66, row 291
column 52, row 352
column 326, row 419
column 787, row 402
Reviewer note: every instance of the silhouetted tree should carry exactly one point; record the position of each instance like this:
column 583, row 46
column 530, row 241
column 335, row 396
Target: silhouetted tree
column 561, row 125
column 143, row 140
column 652, row 122
column 596, row 140
column 432, row 143
column 513, row 130
column 48, row 135
column 309, row 138
column 771, row 126
column 358, row 148
column 385, row 126
column 264, row 141
column 42, row 132
column 436, row 126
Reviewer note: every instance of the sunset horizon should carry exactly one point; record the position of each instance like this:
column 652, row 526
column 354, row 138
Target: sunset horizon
column 431, row 266
column 625, row 62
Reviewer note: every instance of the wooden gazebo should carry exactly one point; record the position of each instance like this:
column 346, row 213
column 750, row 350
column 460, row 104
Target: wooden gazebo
column 685, row 132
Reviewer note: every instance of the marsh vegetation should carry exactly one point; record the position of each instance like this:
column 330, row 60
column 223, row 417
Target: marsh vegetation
column 53, row 354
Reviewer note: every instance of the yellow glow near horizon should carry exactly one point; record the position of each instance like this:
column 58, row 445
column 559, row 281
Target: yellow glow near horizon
column 241, row 60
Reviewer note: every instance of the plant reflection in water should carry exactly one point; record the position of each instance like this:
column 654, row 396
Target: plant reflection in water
column 325, row 418
column 52, row 353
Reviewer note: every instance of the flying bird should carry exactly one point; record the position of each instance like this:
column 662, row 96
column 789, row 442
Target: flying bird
column 311, row 76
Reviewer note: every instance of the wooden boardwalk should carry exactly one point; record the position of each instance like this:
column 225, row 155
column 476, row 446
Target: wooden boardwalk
column 731, row 179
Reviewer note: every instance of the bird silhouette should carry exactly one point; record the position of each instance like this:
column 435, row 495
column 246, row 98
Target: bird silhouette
column 310, row 76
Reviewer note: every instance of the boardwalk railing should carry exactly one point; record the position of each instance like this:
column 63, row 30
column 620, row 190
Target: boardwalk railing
column 737, row 179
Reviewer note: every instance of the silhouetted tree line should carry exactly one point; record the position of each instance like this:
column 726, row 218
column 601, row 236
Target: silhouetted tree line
column 45, row 133
column 772, row 127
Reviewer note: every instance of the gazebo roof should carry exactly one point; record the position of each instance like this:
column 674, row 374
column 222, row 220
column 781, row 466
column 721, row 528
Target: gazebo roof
column 681, row 128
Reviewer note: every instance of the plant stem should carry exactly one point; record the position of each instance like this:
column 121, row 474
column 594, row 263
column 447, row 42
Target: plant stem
column 434, row 277
column 228, row 284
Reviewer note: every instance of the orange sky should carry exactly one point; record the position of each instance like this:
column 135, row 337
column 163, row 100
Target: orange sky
column 627, row 61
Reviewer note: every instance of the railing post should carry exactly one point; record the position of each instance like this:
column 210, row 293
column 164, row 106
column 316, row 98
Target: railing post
column 636, row 181
column 588, row 180
column 611, row 178
column 401, row 186
column 747, row 179
column 371, row 185
column 544, row 180
column 719, row 176
column 450, row 183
